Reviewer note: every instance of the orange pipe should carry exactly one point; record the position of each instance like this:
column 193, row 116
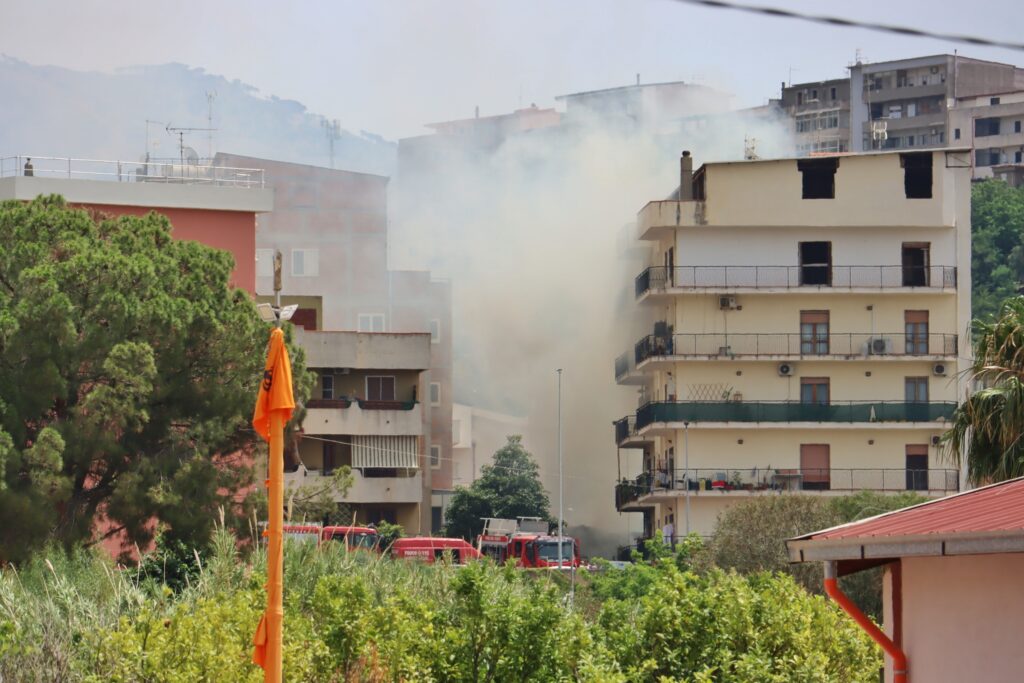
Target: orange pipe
column 899, row 660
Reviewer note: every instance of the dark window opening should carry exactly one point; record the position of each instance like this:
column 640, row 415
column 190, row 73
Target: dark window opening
column 799, row 98
column 917, row 175
column 327, row 387
column 380, row 388
column 917, row 468
column 984, row 127
column 1016, row 126
column 993, row 100
column 876, row 111
column 814, row 94
column 986, row 157
column 1017, row 156
column 816, row 263
column 915, row 264
column 956, row 133
column 832, row 92
column 699, row 187
column 819, row 176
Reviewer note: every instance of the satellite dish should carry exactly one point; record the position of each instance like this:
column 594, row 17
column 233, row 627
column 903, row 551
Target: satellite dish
column 190, row 155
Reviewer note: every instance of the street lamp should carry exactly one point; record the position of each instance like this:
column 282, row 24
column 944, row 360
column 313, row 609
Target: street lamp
column 270, row 313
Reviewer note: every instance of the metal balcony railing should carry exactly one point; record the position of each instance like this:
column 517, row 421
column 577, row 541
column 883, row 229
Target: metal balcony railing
column 657, row 278
column 755, row 479
column 172, row 171
column 793, row 411
column 622, row 366
column 796, row 344
column 625, row 428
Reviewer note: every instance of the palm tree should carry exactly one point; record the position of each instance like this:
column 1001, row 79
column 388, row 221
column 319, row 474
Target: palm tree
column 989, row 425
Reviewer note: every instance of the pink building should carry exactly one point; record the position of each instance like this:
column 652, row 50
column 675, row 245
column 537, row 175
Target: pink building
column 952, row 599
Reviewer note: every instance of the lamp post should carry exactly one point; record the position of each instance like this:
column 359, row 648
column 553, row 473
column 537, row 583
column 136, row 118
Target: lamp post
column 560, row 487
column 686, row 465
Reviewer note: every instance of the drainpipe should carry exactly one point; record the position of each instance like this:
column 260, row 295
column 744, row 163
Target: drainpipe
column 899, row 660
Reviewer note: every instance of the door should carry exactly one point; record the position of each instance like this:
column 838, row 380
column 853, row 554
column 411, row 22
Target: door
column 814, row 333
column 915, row 264
column 917, row 467
column 815, row 466
column 814, row 399
column 915, row 327
column 816, row 263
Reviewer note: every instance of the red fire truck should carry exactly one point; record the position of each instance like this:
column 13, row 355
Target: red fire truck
column 354, row 537
column 526, row 540
column 431, row 549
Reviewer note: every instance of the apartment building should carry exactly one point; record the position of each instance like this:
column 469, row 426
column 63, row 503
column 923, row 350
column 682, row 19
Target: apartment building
column 807, row 332
column 366, row 413
column 331, row 227
column 991, row 126
column 903, row 104
column 820, row 114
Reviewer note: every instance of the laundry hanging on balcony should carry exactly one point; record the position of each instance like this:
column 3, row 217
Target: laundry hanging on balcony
column 384, row 451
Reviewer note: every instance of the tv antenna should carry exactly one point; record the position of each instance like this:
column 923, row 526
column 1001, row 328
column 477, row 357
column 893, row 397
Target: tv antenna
column 180, row 132
column 211, row 95
column 332, row 129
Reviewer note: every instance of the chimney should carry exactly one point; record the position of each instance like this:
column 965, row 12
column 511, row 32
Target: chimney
column 686, row 177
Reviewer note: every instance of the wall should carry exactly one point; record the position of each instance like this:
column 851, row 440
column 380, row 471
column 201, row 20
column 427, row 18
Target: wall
column 962, row 618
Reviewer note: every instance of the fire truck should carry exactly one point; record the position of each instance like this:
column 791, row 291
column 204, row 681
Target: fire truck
column 526, row 541
column 354, row 537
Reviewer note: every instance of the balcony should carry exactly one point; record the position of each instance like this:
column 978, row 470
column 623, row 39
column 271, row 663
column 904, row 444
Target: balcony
column 660, row 218
column 626, row 435
column 653, row 487
column 806, row 279
column 793, row 346
column 903, row 92
column 367, row 489
column 363, row 418
column 625, row 370
column 784, row 413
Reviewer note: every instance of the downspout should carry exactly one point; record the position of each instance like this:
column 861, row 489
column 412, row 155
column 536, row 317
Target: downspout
column 899, row 660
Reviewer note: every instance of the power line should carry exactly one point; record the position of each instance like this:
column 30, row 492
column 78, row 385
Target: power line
column 852, row 23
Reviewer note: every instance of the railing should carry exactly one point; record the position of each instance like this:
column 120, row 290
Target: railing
column 795, row 344
column 791, row 277
column 164, row 171
column 625, row 428
column 328, row 403
column 385, row 405
column 788, row 479
column 792, row 411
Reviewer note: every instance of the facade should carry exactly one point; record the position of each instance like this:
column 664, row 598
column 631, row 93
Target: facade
column 806, row 332
column 820, row 114
column 331, row 227
column 366, row 413
column 991, row 126
column 952, row 605
column 648, row 106
column 909, row 99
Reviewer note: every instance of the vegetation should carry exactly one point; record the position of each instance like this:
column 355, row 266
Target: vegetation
column 128, row 371
column 508, row 488
column 997, row 263
column 358, row 617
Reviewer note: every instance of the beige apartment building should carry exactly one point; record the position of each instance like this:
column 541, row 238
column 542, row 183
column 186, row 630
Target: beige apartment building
column 366, row 412
column 807, row 322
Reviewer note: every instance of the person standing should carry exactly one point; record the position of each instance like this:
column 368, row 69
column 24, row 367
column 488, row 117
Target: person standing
column 29, row 170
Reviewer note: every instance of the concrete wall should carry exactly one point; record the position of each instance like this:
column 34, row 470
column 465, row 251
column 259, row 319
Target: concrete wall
column 962, row 618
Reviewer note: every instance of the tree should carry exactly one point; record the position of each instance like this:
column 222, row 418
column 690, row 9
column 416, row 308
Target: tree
column 997, row 227
column 508, row 488
column 128, row 372
column 989, row 425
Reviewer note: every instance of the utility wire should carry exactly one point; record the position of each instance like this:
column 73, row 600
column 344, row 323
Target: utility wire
column 852, row 23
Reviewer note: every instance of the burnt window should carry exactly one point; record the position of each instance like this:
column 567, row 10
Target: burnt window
column 917, row 175
column 819, row 177
column 915, row 264
column 816, row 263
column 985, row 127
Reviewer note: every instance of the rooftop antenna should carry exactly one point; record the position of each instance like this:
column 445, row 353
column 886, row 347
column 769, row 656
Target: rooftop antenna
column 180, row 132
column 211, row 95
column 332, row 129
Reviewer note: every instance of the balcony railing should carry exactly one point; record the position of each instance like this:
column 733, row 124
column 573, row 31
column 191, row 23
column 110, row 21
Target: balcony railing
column 793, row 411
column 787, row 479
column 625, row 428
column 329, row 403
column 173, row 171
column 366, row 404
column 795, row 344
column 657, row 278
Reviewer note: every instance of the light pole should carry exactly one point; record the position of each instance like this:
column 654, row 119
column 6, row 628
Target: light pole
column 560, row 487
column 686, row 465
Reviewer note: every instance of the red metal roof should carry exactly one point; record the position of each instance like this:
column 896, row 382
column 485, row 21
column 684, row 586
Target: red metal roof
column 995, row 508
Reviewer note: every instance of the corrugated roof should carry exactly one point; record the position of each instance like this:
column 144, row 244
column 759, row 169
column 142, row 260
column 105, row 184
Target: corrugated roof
column 998, row 508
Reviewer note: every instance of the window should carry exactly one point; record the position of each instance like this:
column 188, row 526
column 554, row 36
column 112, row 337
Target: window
column 435, row 331
column 819, row 177
column 1017, row 156
column 305, row 262
column 435, row 456
column 304, row 318
column 815, row 467
column 986, row 157
column 380, row 388
column 327, row 386
column 916, row 332
column 916, row 389
column 436, row 519
column 799, row 98
column 956, row 133
column 986, row 127
column 370, row 322
column 814, row 94
column 816, row 263
column 813, row 332
column 917, row 467
column 1016, row 126
column 264, row 263
column 435, row 393
column 917, row 175
column 814, row 390
column 832, row 93
column 915, row 264
column 993, row 100
column 329, row 456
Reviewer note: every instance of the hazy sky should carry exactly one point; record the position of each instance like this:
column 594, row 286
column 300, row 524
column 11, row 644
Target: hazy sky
column 389, row 66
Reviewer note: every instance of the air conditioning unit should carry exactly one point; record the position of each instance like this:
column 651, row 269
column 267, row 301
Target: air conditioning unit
column 939, row 369
column 878, row 346
column 727, row 303
column 786, row 370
